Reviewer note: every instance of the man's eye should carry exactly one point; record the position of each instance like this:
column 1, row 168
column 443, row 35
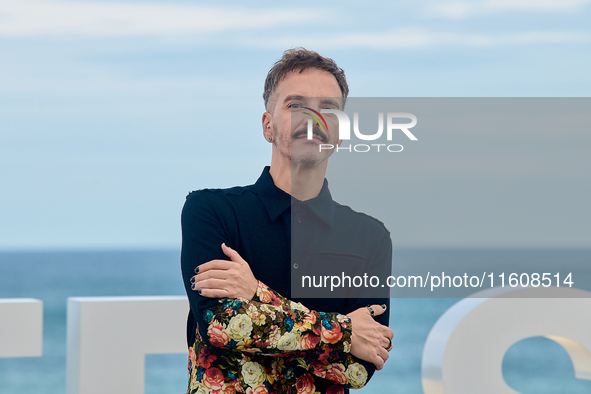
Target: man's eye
column 295, row 106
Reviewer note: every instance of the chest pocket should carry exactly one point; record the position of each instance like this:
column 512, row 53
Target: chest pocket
column 337, row 263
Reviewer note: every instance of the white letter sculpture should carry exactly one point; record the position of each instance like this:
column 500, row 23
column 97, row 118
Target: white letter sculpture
column 464, row 351
column 108, row 338
column 21, row 327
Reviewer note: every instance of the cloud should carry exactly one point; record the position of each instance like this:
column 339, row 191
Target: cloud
column 418, row 38
column 248, row 26
column 461, row 10
column 38, row 17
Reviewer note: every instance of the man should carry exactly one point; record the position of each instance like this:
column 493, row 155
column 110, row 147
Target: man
column 238, row 252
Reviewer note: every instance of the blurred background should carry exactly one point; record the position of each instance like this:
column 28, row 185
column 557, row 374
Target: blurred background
column 112, row 111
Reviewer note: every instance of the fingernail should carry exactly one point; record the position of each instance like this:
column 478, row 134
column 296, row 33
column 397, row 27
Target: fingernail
column 193, row 286
column 384, row 306
column 199, row 291
column 192, row 279
column 197, row 269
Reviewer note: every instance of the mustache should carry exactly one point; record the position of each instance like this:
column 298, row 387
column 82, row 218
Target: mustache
column 315, row 131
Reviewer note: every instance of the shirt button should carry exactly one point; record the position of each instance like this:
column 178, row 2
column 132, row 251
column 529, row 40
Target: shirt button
column 295, row 266
column 299, row 219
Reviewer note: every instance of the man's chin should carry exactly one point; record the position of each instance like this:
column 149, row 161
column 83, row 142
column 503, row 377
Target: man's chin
column 309, row 158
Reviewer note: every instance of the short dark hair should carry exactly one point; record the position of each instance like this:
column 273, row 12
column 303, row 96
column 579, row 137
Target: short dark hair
column 300, row 59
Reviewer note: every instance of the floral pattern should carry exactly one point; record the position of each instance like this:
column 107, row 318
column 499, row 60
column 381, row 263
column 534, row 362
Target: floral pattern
column 272, row 345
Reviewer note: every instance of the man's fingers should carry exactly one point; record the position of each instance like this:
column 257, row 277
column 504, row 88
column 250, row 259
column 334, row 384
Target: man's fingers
column 384, row 355
column 214, row 293
column 387, row 344
column 390, row 347
column 213, row 274
column 378, row 309
column 380, row 358
column 233, row 277
column 378, row 361
column 213, row 288
column 231, row 253
column 213, row 283
column 221, row 264
column 387, row 332
column 216, row 265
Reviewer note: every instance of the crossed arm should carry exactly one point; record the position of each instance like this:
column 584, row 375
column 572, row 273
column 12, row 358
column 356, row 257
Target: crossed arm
column 227, row 282
column 233, row 279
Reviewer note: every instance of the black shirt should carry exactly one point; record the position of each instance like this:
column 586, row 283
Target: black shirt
column 256, row 221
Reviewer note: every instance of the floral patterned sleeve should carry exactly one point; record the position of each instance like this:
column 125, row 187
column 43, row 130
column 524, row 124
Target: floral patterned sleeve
column 348, row 373
column 274, row 325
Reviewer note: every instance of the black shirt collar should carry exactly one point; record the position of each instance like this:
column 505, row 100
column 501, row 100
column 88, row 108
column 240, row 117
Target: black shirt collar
column 276, row 201
column 322, row 206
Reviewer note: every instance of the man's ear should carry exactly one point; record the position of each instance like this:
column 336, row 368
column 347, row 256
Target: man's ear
column 267, row 124
column 339, row 142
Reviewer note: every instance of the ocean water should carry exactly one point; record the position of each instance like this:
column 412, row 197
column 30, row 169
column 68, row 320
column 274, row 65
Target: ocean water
column 534, row 365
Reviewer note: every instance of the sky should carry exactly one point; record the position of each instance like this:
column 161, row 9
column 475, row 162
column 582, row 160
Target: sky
column 111, row 112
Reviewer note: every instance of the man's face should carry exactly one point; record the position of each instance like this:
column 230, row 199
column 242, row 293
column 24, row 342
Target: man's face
column 298, row 94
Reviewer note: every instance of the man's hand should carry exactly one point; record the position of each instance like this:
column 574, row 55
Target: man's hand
column 370, row 341
column 225, row 279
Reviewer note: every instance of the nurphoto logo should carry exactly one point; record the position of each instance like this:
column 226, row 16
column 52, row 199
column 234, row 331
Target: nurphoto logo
column 345, row 130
